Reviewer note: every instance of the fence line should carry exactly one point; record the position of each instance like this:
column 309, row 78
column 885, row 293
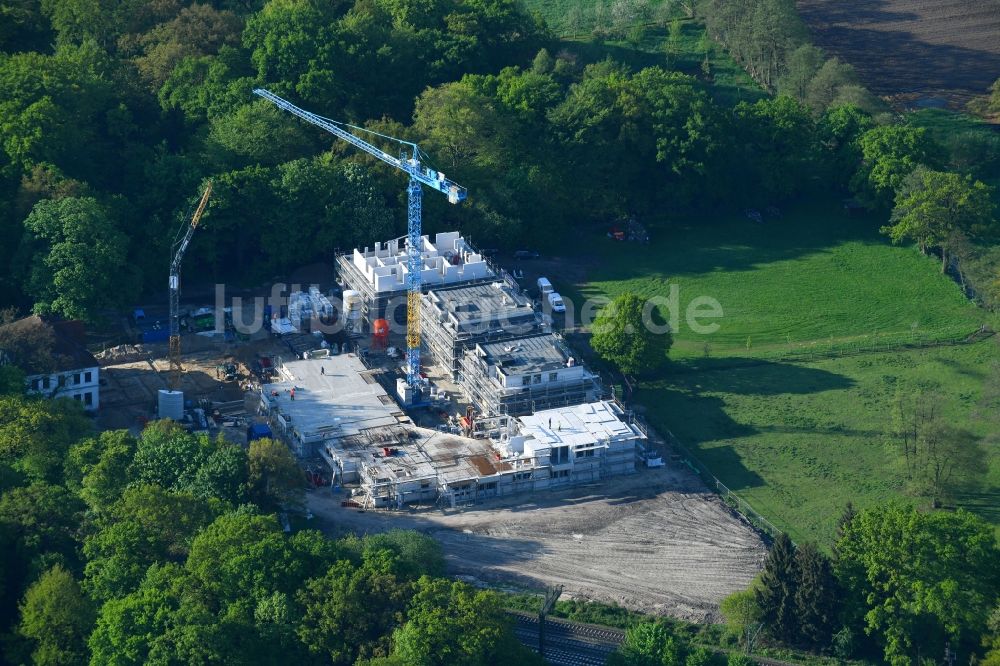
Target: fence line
column 737, row 503
column 845, row 350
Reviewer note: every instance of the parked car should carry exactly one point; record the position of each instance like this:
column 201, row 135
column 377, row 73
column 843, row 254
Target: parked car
column 544, row 286
column 556, row 302
column 525, row 254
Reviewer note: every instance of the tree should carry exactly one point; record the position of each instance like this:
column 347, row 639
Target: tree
column 35, row 434
column 920, row 579
column 56, row 618
column 777, row 591
column 815, row 597
column 29, row 344
column 64, row 111
column 649, row 644
column 933, row 206
column 169, row 456
column 839, row 129
column 258, row 133
column 842, row 522
column 743, row 616
column 702, row 657
column 937, row 458
column 624, row 335
column 777, row 148
column 223, row 475
column 276, row 480
column 205, row 87
column 451, row 623
column 889, row 154
column 78, row 267
column 243, row 555
column 991, row 640
column 464, row 128
column 824, row 88
column 800, row 68
column 197, row 30
column 40, row 526
column 351, row 611
column 105, row 464
column 994, row 99
column 147, row 526
column 23, row 26
column 672, row 46
column 131, row 629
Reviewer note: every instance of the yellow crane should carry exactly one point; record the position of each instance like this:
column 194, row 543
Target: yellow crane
column 180, row 245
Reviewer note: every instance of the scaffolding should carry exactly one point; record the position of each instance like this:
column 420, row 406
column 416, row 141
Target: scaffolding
column 457, row 318
column 525, row 375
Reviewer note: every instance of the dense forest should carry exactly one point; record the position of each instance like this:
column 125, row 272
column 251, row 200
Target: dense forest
column 116, row 112
column 167, row 549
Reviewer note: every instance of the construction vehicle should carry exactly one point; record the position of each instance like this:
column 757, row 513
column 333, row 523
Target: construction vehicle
column 409, row 161
column 179, row 247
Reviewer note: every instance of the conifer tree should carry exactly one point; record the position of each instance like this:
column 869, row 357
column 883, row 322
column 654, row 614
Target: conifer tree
column 815, row 596
column 776, row 594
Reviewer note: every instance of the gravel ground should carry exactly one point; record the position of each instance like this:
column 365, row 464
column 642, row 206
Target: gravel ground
column 656, row 541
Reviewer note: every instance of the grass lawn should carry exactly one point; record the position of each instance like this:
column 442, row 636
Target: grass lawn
column 798, row 440
column 809, row 279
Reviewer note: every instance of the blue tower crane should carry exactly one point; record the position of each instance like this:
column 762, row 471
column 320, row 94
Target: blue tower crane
column 408, row 162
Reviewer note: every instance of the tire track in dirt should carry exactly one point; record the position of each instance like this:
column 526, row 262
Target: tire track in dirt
column 652, row 542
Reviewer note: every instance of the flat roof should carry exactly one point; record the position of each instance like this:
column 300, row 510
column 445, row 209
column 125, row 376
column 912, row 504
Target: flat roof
column 535, row 353
column 336, row 396
column 446, row 259
column 474, row 308
column 457, row 458
column 419, row 453
column 579, row 425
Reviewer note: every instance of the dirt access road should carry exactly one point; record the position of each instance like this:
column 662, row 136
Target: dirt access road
column 656, row 541
column 916, row 52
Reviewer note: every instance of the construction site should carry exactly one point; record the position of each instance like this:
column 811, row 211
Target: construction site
column 337, row 408
column 425, row 385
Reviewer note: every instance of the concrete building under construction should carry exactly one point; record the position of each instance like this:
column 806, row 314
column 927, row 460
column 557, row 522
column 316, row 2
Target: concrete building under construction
column 379, row 275
column 315, row 400
column 585, row 442
column 333, row 407
column 454, row 319
column 525, row 375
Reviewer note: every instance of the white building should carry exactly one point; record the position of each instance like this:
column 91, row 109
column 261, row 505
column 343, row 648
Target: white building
column 380, row 274
column 581, row 443
column 55, row 361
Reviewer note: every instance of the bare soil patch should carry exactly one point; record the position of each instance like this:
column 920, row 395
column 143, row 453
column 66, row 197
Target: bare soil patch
column 914, row 52
column 656, row 541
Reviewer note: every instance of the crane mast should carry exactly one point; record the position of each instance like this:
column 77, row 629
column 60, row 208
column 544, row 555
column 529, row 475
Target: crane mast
column 409, row 163
column 175, row 290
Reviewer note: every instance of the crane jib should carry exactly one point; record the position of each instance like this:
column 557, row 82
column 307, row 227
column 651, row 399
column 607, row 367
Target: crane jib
column 419, row 174
column 412, row 166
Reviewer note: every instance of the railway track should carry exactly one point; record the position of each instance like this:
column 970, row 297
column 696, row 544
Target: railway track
column 569, row 643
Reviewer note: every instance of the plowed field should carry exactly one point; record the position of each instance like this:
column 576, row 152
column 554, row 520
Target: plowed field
column 916, row 52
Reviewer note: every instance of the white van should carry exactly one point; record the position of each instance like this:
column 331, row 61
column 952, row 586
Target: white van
column 556, row 301
column 544, row 286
